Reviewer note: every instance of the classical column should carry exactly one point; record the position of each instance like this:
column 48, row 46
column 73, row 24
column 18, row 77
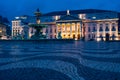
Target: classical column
column 110, row 29
column 116, row 28
column 81, row 30
column 61, row 28
column 66, row 29
column 57, row 29
column 104, row 32
column 76, row 25
column 98, row 27
column 70, row 30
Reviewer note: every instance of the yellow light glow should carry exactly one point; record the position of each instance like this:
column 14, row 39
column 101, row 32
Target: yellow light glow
column 76, row 39
column 0, row 31
column 98, row 39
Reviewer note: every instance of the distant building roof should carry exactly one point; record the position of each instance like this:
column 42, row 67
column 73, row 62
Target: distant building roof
column 26, row 19
column 68, row 17
column 77, row 12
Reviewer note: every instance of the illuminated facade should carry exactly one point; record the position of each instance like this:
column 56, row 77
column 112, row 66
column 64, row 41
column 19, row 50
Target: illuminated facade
column 19, row 31
column 89, row 24
column 98, row 29
column 69, row 27
column 3, row 31
column 20, row 27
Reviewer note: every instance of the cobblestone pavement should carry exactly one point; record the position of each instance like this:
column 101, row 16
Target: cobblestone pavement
column 59, row 60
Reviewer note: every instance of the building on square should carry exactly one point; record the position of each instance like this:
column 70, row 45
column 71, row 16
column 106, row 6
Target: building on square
column 20, row 28
column 70, row 27
column 87, row 24
column 3, row 31
column 90, row 24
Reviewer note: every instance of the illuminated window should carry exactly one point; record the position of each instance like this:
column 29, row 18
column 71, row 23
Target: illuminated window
column 13, row 23
column 94, row 17
column 16, row 24
column 56, row 17
column 82, row 16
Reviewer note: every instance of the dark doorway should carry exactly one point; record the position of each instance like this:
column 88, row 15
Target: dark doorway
column 107, row 36
column 74, row 36
column 78, row 36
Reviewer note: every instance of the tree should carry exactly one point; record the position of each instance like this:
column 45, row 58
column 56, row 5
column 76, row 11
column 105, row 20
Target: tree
column 5, row 20
column 59, row 35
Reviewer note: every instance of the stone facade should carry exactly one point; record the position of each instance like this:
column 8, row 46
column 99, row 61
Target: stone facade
column 87, row 24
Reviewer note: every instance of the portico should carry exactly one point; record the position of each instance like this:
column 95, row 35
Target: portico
column 70, row 27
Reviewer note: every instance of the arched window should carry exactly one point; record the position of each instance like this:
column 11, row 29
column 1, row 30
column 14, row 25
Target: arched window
column 89, row 29
column 89, row 36
column 50, row 30
column 94, row 29
column 107, row 27
column 51, row 37
column 113, row 27
column 46, row 30
column 55, row 30
column 113, row 37
column 101, row 36
column 101, row 27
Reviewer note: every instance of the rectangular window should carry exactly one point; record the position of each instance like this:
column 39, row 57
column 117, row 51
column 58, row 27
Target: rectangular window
column 55, row 31
column 46, row 30
column 51, row 30
column 50, row 36
column 16, row 24
column 89, row 29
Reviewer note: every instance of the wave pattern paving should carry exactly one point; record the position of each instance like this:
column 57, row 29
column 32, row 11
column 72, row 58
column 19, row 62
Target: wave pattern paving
column 59, row 60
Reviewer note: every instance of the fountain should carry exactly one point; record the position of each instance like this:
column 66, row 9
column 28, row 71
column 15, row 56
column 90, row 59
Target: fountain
column 38, row 27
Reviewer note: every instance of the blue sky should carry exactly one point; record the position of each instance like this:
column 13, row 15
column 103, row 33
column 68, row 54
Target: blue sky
column 12, row 8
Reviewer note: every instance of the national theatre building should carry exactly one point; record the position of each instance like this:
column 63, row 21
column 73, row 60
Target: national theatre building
column 89, row 24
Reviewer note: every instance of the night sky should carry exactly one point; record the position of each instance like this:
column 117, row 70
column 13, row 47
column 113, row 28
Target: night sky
column 12, row 8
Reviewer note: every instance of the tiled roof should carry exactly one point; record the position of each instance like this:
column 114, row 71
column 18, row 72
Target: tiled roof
column 76, row 12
